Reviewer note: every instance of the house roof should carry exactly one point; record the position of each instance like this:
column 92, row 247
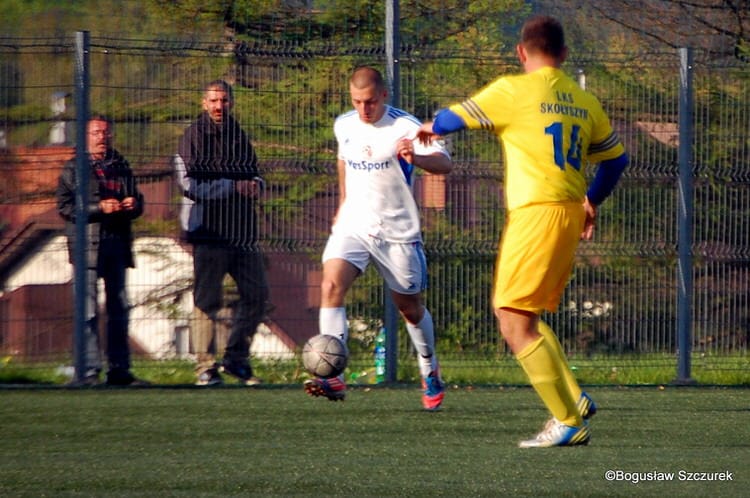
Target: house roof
column 17, row 243
column 27, row 197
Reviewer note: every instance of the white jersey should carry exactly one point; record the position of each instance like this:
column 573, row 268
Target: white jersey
column 379, row 199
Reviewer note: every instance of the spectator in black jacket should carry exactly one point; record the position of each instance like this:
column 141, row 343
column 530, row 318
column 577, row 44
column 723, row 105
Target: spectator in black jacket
column 217, row 170
column 113, row 202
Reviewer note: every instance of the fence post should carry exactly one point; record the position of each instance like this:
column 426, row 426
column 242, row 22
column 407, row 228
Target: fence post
column 685, row 219
column 392, row 49
column 80, row 263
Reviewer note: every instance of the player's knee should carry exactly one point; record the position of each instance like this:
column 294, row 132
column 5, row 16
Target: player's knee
column 209, row 308
column 330, row 290
column 412, row 312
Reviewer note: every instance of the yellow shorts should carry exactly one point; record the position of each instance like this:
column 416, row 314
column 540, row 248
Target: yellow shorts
column 536, row 256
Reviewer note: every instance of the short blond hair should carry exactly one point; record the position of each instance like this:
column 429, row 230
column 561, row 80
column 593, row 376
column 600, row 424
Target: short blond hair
column 365, row 76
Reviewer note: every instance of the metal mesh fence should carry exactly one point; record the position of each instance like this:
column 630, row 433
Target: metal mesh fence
column 622, row 297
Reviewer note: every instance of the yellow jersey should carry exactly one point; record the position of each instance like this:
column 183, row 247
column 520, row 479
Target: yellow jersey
column 549, row 127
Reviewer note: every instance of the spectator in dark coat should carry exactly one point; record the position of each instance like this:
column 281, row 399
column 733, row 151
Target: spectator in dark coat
column 217, row 170
column 113, row 203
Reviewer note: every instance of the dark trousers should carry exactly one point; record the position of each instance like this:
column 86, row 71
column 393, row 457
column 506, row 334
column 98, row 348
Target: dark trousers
column 112, row 268
column 211, row 264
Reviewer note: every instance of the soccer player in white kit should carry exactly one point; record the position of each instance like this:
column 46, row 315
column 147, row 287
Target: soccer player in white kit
column 378, row 221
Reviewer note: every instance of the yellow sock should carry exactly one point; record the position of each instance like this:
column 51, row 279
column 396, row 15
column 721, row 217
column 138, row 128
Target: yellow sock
column 568, row 377
column 539, row 361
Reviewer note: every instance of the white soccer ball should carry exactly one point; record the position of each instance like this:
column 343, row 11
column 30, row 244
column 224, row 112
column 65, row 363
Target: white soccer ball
column 324, row 356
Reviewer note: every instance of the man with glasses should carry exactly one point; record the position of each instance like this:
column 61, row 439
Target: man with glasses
column 113, row 203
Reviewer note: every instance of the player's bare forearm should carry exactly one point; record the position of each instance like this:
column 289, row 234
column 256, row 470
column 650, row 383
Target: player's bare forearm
column 437, row 163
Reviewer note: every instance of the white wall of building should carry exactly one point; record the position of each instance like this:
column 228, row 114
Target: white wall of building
column 159, row 289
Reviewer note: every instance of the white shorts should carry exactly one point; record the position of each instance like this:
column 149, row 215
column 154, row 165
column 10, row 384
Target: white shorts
column 403, row 266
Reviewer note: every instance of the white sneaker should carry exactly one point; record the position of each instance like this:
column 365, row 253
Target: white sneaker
column 586, row 407
column 555, row 433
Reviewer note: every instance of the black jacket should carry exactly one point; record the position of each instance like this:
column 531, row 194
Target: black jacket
column 210, row 158
column 109, row 178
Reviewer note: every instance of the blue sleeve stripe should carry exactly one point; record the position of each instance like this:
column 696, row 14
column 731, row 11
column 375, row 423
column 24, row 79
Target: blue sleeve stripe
column 396, row 113
column 606, row 144
column 407, row 169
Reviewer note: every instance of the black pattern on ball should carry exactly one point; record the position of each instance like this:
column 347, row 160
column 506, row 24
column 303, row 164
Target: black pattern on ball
column 324, row 356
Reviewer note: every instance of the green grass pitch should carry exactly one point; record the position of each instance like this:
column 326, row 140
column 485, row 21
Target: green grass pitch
column 276, row 441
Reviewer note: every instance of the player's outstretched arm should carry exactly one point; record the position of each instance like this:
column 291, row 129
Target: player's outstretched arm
column 425, row 135
column 446, row 121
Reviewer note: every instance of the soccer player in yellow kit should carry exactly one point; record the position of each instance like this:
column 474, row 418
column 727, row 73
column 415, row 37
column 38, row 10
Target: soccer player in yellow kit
column 550, row 129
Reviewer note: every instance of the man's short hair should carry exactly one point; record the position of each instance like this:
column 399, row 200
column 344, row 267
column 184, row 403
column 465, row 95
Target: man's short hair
column 364, row 76
column 101, row 117
column 543, row 34
column 104, row 118
column 220, row 85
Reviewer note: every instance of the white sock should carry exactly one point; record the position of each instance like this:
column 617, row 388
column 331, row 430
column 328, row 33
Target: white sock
column 423, row 338
column 332, row 321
